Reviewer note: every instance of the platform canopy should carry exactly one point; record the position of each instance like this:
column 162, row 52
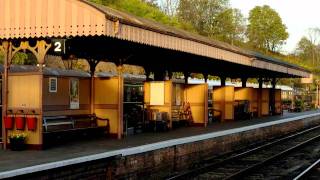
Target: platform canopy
column 93, row 30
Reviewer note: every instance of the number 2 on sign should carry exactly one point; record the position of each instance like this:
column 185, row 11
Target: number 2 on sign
column 57, row 46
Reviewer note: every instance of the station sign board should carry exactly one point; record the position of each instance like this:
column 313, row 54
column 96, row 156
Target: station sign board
column 58, row 47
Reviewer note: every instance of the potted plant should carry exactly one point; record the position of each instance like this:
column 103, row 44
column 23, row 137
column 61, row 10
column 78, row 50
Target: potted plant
column 17, row 141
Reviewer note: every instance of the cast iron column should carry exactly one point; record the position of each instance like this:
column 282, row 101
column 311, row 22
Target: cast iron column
column 7, row 58
column 260, row 80
column 244, row 82
column 205, row 76
column 120, row 100
column 93, row 64
column 223, row 81
column 186, row 77
column 273, row 96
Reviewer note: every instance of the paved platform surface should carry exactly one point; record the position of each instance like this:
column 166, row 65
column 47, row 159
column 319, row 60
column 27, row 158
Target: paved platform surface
column 11, row 160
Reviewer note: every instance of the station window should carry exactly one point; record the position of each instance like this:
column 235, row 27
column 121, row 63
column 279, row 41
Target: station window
column 53, row 85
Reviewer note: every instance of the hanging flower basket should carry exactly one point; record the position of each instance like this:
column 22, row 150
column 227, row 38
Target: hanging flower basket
column 32, row 123
column 20, row 122
column 17, row 141
column 8, row 122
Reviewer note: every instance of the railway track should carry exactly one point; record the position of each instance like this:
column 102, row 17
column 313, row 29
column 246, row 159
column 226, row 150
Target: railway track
column 311, row 172
column 290, row 155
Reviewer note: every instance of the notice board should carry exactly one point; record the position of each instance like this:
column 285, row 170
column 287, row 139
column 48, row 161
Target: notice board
column 157, row 93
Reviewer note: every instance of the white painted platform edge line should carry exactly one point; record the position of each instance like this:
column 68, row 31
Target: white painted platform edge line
column 144, row 148
column 185, row 140
column 57, row 164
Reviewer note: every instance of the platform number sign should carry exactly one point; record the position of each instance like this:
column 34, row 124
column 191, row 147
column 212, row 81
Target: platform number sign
column 58, row 46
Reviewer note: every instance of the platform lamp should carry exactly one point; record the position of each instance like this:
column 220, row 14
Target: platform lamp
column 69, row 61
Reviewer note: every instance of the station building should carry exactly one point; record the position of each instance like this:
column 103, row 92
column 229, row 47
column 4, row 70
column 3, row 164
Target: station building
column 45, row 102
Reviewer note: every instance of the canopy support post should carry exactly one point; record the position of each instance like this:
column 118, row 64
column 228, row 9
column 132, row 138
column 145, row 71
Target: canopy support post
column 205, row 76
column 223, row 81
column 273, row 96
column 260, row 80
column 93, row 64
column 244, row 82
column 7, row 48
column 120, row 100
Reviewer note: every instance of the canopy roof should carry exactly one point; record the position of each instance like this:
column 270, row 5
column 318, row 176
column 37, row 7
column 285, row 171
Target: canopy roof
column 80, row 18
column 47, row 71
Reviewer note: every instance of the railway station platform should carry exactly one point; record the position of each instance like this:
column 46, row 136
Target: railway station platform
column 187, row 141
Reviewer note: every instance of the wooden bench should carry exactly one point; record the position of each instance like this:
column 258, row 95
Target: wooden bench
column 57, row 128
column 72, row 122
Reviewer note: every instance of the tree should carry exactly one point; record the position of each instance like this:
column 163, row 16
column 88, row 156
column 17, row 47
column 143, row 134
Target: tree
column 265, row 29
column 214, row 18
column 201, row 13
column 308, row 49
column 304, row 49
column 146, row 9
column 314, row 36
column 21, row 58
column 229, row 26
column 169, row 6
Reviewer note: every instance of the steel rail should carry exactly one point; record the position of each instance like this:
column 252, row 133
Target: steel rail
column 208, row 166
column 248, row 170
column 308, row 170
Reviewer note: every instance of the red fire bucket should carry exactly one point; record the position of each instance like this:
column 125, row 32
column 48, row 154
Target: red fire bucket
column 8, row 122
column 20, row 122
column 32, row 123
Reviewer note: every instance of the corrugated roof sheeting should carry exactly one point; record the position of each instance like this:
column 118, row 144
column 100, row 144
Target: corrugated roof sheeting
column 49, row 18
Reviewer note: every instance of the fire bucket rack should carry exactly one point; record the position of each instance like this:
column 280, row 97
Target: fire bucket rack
column 21, row 120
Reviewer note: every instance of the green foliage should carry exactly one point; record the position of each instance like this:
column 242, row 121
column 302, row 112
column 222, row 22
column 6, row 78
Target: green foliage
column 298, row 103
column 229, row 26
column 308, row 49
column 145, row 9
column 265, row 29
column 201, row 14
column 197, row 75
column 304, row 48
column 1, row 57
column 287, row 101
column 214, row 18
column 21, row 58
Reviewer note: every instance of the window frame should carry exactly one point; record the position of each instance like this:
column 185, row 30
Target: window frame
column 50, row 85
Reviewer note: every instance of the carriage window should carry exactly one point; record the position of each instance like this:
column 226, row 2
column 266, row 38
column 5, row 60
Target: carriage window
column 53, row 85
